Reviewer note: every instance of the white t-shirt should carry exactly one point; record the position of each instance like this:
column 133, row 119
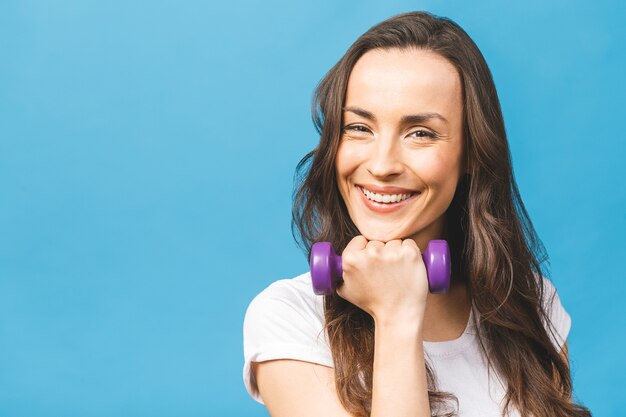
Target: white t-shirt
column 285, row 321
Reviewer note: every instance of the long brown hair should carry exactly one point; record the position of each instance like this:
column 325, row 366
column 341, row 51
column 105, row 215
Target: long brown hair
column 494, row 247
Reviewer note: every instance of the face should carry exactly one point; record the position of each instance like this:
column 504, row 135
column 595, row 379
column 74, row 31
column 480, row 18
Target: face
column 401, row 135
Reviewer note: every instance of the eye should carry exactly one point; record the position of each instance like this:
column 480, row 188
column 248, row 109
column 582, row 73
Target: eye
column 355, row 128
column 423, row 134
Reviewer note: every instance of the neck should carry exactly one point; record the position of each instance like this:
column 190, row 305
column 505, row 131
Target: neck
column 446, row 315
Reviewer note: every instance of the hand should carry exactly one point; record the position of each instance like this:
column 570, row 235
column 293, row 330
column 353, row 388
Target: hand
column 387, row 280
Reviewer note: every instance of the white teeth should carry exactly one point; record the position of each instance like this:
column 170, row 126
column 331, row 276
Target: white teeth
column 385, row 198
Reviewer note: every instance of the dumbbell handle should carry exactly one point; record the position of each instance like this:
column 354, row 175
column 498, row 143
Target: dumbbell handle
column 327, row 271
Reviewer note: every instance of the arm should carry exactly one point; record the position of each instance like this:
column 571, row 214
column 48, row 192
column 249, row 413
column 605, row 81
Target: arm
column 388, row 281
column 399, row 380
column 291, row 388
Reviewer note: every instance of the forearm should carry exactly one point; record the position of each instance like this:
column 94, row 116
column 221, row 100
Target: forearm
column 399, row 373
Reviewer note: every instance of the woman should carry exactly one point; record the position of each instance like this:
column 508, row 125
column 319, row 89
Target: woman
column 412, row 148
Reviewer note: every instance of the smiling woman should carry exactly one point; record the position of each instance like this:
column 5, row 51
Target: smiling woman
column 412, row 149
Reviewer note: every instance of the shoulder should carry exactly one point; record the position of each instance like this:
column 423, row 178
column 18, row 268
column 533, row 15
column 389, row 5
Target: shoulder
column 558, row 322
column 284, row 321
column 287, row 309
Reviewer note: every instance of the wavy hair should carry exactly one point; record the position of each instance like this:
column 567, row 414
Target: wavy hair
column 494, row 247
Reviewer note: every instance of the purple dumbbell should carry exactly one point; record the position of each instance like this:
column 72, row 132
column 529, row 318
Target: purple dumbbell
column 326, row 270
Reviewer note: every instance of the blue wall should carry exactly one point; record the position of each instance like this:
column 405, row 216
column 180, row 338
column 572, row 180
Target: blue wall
column 147, row 150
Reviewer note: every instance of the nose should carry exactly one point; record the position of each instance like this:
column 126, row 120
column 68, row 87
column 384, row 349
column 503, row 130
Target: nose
column 385, row 157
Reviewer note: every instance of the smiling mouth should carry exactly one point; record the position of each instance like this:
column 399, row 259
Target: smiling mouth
column 386, row 199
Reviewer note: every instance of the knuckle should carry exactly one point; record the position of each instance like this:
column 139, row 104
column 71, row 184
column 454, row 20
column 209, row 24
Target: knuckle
column 411, row 250
column 348, row 259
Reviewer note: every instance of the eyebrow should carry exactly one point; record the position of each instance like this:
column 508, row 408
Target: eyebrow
column 409, row 118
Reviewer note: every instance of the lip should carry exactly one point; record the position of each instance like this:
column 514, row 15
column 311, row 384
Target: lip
column 386, row 189
column 386, row 207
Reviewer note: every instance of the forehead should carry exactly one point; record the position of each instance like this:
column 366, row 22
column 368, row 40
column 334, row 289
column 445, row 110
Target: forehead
column 389, row 81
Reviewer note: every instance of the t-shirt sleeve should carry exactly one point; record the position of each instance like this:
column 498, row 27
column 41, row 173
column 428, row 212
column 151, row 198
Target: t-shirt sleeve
column 560, row 320
column 279, row 325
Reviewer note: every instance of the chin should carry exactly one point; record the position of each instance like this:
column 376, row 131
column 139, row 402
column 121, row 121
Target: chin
column 383, row 236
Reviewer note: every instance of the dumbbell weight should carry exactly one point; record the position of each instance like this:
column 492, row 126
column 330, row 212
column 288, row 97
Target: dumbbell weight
column 326, row 269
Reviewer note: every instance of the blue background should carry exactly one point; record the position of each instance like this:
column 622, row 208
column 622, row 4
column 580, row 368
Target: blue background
column 147, row 152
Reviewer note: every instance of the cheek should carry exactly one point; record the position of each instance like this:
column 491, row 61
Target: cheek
column 436, row 168
column 347, row 160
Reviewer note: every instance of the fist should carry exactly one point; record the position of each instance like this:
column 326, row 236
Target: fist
column 387, row 280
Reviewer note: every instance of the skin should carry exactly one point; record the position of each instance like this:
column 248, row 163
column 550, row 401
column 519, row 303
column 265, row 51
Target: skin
column 427, row 157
